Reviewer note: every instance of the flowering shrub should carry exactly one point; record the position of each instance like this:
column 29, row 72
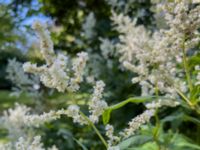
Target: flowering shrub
column 165, row 63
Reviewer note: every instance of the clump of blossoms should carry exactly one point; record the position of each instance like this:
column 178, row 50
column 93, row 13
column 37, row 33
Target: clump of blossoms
column 112, row 139
column 24, row 144
column 88, row 26
column 22, row 81
column 56, row 72
column 136, row 122
column 35, row 144
column 96, row 105
column 154, row 56
column 19, row 120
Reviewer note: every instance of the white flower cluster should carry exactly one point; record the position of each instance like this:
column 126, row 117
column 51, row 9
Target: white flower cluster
column 26, row 144
column 126, row 6
column 37, row 120
column 160, row 103
column 73, row 112
column 34, row 145
column 112, row 138
column 88, row 26
column 115, row 3
column 96, row 105
column 113, row 148
column 13, row 120
column 136, row 122
column 155, row 56
column 46, row 45
column 21, row 81
column 55, row 73
column 78, row 68
column 107, row 48
column 17, row 120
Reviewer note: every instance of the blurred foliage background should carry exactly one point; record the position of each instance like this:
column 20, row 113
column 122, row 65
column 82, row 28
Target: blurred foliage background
column 65, row 19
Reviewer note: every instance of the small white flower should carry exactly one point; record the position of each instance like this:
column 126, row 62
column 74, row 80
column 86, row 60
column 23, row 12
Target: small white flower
column 136, row 122
column 55, row 73
column 97, row 105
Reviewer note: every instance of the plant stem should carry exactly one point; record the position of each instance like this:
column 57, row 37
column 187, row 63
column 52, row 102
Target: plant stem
column 131, row 100
column 184, row 97
column 186, row 67
column 95, row 129
column 193, row 107
column 157, row 118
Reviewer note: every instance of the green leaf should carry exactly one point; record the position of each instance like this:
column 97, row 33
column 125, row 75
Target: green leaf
column 192, row 119
column 195, row 95
column 173, row 117
column 107, row 112
column 147, row 146
column 106, row 116
column 181, row 142
column 80, row 144
column 135, row 140
column 194, row 60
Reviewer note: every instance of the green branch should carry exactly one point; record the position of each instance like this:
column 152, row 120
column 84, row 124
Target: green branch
column 95, row 129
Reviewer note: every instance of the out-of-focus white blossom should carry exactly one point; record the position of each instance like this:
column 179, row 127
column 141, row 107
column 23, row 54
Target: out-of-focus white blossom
column 90, row 79
column 56, row 73
column 115, row 3
column 113, row 148
column 107, row 48
column 13, row 120
column 21, row 81
column 26, row 144
column 97, row 105
column 46, row 45
column 33, row 145
column 88, row 26
column 6, row 146
column 18, row 120
column 37, row 120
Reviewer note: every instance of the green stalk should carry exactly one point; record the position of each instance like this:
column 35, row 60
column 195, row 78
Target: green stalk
column 184, row 97
column 155, row 136
column 186, row 67
column 196, row 108
column 95, row 129
column 130, row 100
